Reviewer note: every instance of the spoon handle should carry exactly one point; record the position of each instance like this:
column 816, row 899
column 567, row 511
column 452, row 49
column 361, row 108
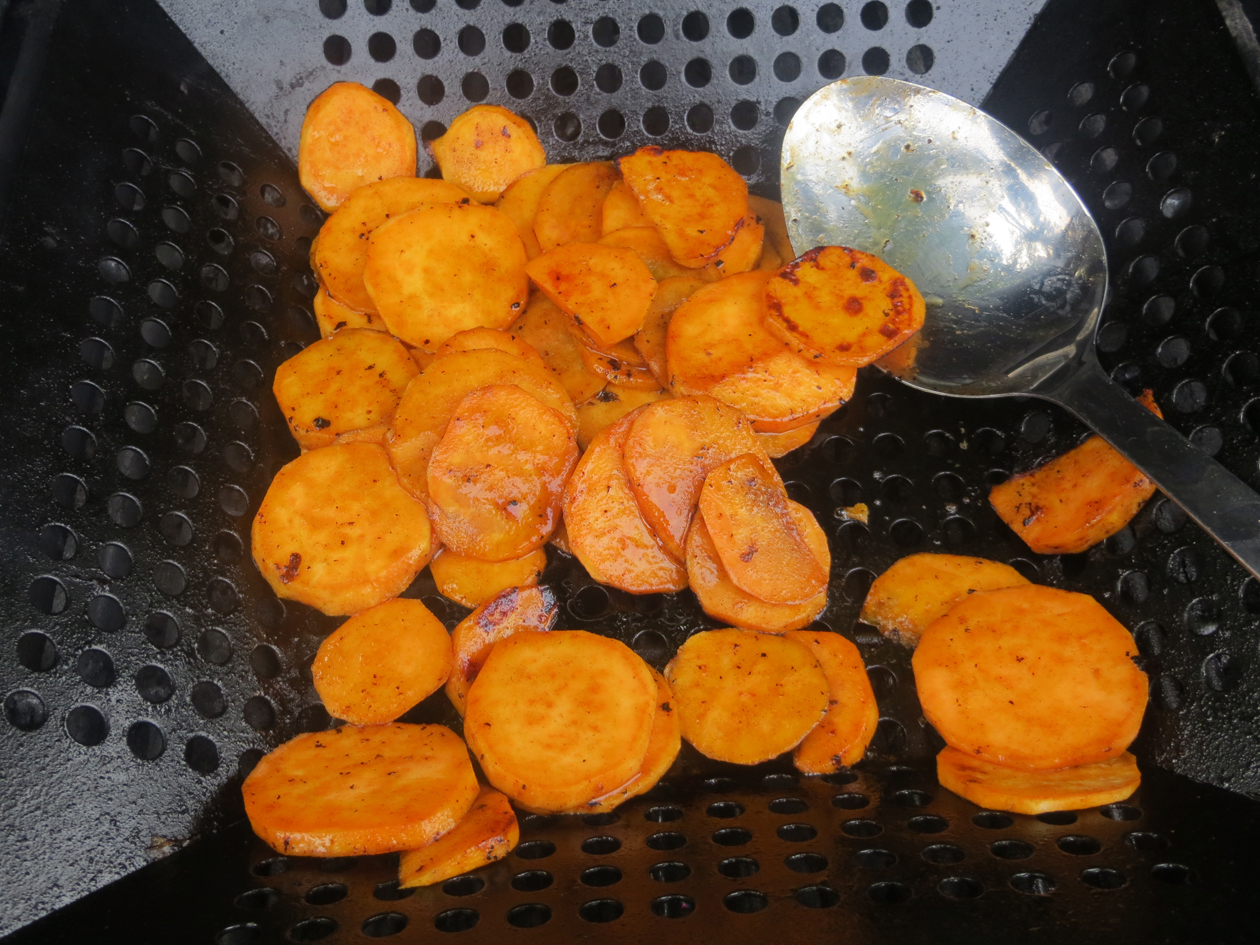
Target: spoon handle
column 1226, row 508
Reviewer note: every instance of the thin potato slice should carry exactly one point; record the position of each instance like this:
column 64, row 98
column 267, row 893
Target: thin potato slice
column 350, row 137
column 488, row 832
column 358, row 791
column 349, row 382
column 997, row 787
column 740, row 255
column 558, row 718
column 605, row 528
column 485, row 149
column 651, row 338
column 782, row 392
column 920, row 588
column 520, row 202
column 508, row 612
column 439, row 270
column 647, row 244
column 841, row 737
column 606, row 289
column 621, row 209
column 695, row 199
column 481, row 339
column 780, row 444
column 609, row 406
column 381, row 662
column 571, row 209
column 763, row 552
column 1031, row 677
column 621, row 365
column 497, row 476
column 843, row 305
column 776, row 244
column 545, row 328
column 560, row 539
column 472, row 582
column 336, row 530
column 744, row 696
column 331, row 316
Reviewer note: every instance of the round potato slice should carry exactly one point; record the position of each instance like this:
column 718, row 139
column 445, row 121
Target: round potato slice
column 769, row 214
column 997, row 787
column 740, row 255
column 558, row 718
column 746, row 697
column 439, row 270
column 621, row 210
column 472, row 582
column 488, row 832
column 359, row 791
column 331, row 316
column 608, row 406
column 841, row 737
column 1031, row 677
column 546, row 329
column 381, row 662
column 571, row 208
column 621, row 364
column 497, row 476
column 650, row 341
column 480, row 339
column 485, row 149
column 520, row 202
column 607, row 290
column 647, row 244
column 336, row 530
column 780, row 444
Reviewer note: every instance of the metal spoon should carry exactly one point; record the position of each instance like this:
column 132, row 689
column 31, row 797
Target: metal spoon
column 1009, row 260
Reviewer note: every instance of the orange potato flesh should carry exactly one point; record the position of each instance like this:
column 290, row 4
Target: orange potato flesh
column 571, row 208
column 1076, row 501
column 331, row 316
column 520, row 202
column 780, row 444
column 341, row 251
column 1031, row 677
column 647, row 244
column 606, row 289
column 546, row 329
column 609, row 406
column 782, row 392
column 672, row 446
column 695, row 199
column 381, row 662
column 842, row 305
column 351, row 381
column 651, row 338
column 997, row 787
column 485, row 149
column 422, row 358
column 441, row 269
column 350, row 137
column 744, row 696
column 921, row 588
column 481, row 339
column 776, row 244
column 722, row 599
column 356, row 791
column 472, row 582
column 841, row 738
column 621, row 210
column 621, row 364
column 336, row 530
column 488, row 832
column 497, row 476
column 604, row 526
column 740, row 255
column 560, row 539
column 558, row 718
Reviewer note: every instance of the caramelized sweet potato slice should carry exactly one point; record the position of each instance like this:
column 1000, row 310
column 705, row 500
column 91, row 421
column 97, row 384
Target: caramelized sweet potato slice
column 607, row 290
column 651, row 338
column 1031, row 677
column 381, row 662
column 488, row 832
column 780, row 444
column 545, row 328
column 769, row 214
column 472, row 582
column 356, row 791
column 605, row 528
column 997, row 787
column 520, row 202
column 784, row 391
column 841, row 737
column 481, row 339
column 497, row 476
column 571, row 209
column 621, row 210
column 740, row 255
column 331, row 316
column 485, row 149
column 744, row 696
column 647, row 244
column 608, row 406
column 619, row 364
column 842, row 305
column 350, row 137
column 920, row 588
column 558, row 718
column 336, row 530
column 695, row 199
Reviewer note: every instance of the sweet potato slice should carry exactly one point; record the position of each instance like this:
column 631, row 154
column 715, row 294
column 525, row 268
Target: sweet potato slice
column 780, row 444
column 488, row 832
column 485, row 149
column 571, row 209
column 381, row 662
column 621, row 210
column 647, row 244
column 776, row 245
column 784, row 391
column 336, row 530
column 920, row 588
column 841, row 737
column 605, row 528
column 497, row 476
column 356, row 791
column 619, row 364
column 842, row 305
column 546, row 329
column 350, row 137
column 744, row 696
column 695, row 199
column 1031, row 677
column 439, row 270
column 520, row 202
column 481, row 339
column 472, row 582
column 651, row 338
column 349, row 382
column 1076, row 501
column 558, row 718
column 508, row 612
column 607, row 290
column 608, row 406
column 740, row 255
column 331, row 316
column 997, row 787
column 672, row 446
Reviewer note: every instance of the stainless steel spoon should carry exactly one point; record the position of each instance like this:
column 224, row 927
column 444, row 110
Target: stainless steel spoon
column 1009, row 260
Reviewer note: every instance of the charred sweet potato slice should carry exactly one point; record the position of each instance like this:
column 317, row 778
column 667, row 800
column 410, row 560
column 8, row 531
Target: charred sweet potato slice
column 481, row 339
column 571, row 209
column 485, row 149
column 740, row 255
column 621, row 210
column 997, row 787
column 651, row 338
column 842, row 305
column 488, row 832
column 546, row 329
column 841, row 737
column 331, row 316
column 608, row 406
column 1031, row 677
column 647, row 244
column 607, row 290
column 356, row 791
column 780, row 444
column 472, row 582
column 520, row 202
column 776, row 249
column 350, row 137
